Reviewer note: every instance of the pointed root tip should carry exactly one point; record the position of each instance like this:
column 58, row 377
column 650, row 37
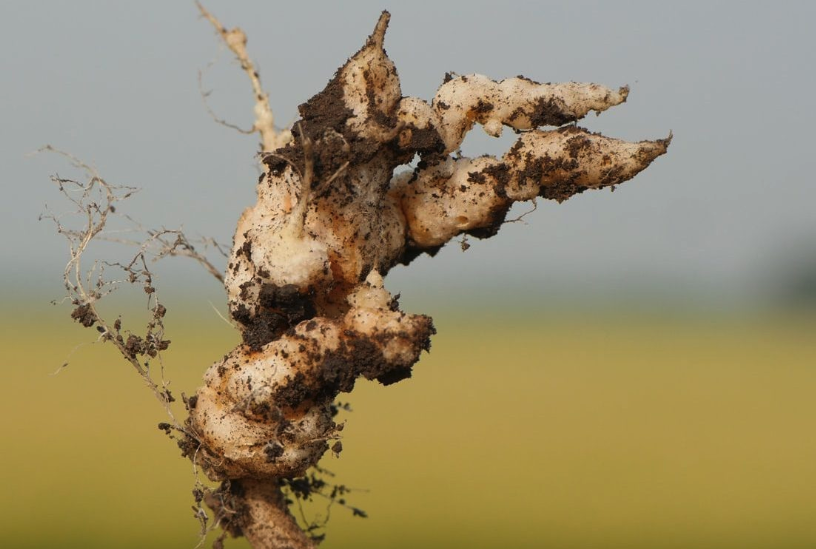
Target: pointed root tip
column 377, row 37
column 658, row 147
column 663, row 144
column 203, row 11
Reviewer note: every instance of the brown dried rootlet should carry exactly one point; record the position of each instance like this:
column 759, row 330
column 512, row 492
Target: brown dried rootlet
column 305, row 275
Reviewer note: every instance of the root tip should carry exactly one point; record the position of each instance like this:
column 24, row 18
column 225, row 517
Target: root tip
column 377, row 37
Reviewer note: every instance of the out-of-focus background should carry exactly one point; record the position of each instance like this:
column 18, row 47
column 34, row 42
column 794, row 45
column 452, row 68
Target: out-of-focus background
column 628, row 369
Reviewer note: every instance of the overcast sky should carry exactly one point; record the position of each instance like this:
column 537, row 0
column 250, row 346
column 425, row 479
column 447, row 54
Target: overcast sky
column 116, row 84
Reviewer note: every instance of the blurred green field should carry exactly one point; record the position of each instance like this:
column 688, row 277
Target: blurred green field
column 580, row 431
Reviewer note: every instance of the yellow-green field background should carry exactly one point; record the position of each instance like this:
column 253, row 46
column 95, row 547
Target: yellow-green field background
column 567, row 431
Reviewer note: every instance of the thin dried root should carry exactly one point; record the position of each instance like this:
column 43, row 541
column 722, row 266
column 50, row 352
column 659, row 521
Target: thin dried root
column 236, row 41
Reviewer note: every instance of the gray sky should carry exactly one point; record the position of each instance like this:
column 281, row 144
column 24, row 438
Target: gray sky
column 115, row 83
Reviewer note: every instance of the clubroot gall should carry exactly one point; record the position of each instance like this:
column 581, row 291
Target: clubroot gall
column 304, row 279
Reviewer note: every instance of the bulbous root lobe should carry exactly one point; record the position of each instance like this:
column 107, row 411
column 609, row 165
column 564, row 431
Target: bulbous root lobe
column 519, row 103
column 474, row 195
column 266, row 413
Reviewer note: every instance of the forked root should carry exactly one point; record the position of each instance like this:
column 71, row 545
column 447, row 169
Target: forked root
column 305, row 274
